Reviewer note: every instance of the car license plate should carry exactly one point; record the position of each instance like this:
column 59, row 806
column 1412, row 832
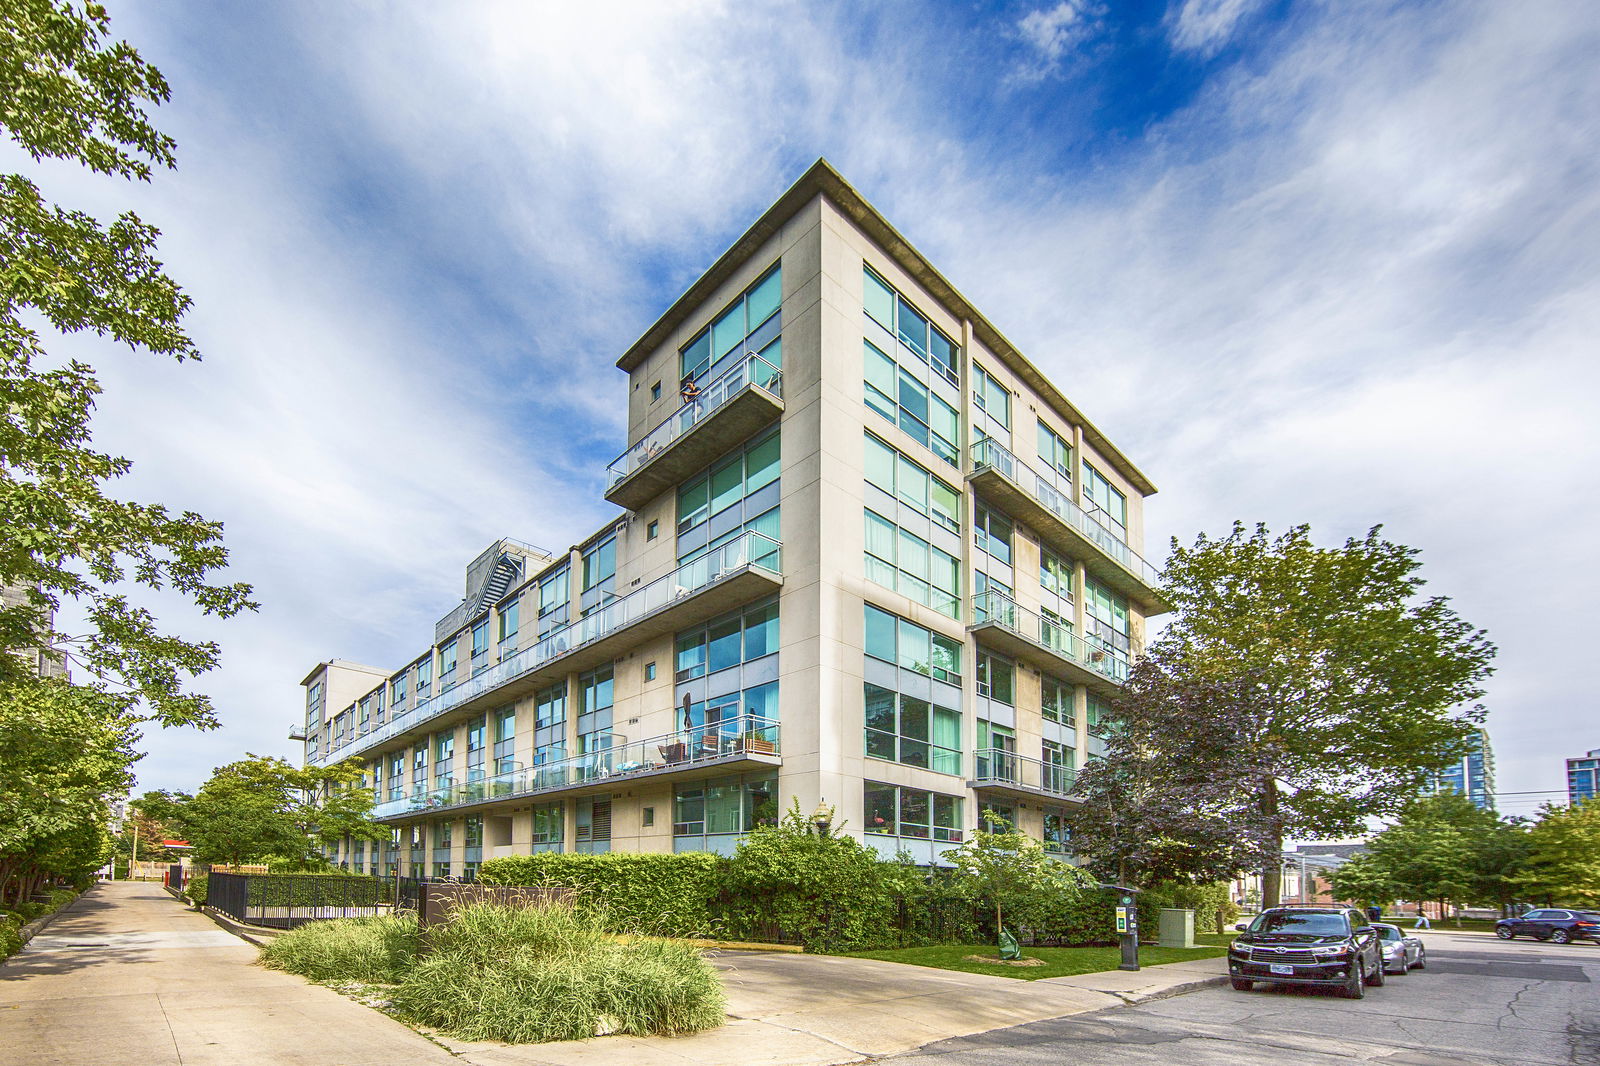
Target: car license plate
column 1282, row 967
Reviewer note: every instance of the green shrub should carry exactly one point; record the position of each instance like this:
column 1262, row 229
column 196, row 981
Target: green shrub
column 830, row 893
column 661, row 894
column 10, row 934
column 376, row 950
column 195, row 890
column 553, row 973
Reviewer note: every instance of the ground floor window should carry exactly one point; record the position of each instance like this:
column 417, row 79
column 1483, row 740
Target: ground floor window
column 896, row 810
column 1057, row 833
column 549, row 823
column 724, row 806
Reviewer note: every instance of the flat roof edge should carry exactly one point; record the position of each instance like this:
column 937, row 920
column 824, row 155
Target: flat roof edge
column 822, row 179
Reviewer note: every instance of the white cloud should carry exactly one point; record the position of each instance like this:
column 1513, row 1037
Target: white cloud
column 1053, row 33
column 1205, row 26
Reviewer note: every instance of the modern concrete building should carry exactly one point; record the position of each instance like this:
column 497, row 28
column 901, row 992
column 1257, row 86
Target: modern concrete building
column 38, row 660
column 867, row 557
column 1472, row 775
column 1583, row 777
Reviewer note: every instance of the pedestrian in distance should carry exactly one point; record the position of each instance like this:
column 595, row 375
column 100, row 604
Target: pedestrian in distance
column 1422, row 920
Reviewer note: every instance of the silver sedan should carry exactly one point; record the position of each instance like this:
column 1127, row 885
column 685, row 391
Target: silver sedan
column 1401, row 953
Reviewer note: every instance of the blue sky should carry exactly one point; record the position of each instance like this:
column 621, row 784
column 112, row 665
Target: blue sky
column 1333, row 263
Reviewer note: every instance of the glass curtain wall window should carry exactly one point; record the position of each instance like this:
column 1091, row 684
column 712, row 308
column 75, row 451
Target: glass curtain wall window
column 447, row 663
column 896, row 810
column 1056, row 700
column 1059, row 762
column 992, row 532
column 508, row 620
column 905, row 563
column 727, row 642
column 996, row 678
column 599, row 563
column 892, row 639
column 895, row 393
column 1099, row 720
column 725, row 806
column 549, row 823
column 397, row 691
column 505, row 739
column 731, row 497
column 911, row 484
column 896, row 314
column 991, row 397
column 477, row 748
column 550, row 724
column 1104, row 503
column 397, row 775
column 1055, row 575
column 424, row 677
column 554, row 600
column 444, row 756
column 1055, row 455
column 595, row 697
column 419, row 769
column 913, row 731
column 480, row 645
column 1107, row 612
column 748, row 326
column 1057, row 835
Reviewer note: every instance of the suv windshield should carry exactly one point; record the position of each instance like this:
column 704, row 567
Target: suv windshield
column 1302, row 923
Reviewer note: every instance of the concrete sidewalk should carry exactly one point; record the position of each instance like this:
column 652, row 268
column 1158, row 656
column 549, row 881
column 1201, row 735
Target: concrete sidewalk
column 127, row 975
column 819, row 1010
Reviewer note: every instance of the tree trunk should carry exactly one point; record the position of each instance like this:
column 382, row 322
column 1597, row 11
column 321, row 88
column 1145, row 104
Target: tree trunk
column 1272, row 874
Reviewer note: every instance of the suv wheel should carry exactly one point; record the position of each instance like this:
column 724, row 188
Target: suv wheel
column 1560, row 936
column 1354, row 986
column 1504, row 932
column 1377, row 977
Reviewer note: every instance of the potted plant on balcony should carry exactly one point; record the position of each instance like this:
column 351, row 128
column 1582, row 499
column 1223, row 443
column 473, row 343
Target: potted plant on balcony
column 754, row 742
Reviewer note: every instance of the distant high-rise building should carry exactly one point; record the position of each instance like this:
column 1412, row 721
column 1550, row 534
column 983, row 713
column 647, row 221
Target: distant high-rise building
column 40, row 660
column 1472, row 775
column 1583, row 777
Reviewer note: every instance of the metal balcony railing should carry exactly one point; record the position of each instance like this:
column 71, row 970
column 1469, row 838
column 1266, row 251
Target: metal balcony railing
column 752, row 371
column 992, row 767
column 748, row 550
column 669, row 752
column 989, row 453
column 1097, row 654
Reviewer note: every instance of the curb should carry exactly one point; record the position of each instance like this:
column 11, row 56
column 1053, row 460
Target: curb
column 249, row 933
column 1133, row 999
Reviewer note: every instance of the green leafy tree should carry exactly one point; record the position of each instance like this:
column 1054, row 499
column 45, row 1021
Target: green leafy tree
column 1562, row 866
column 1360, row 678
column 1011, row 872
column 64, row 751
column 262, row 807
column 1364, row 878
column 69, row 92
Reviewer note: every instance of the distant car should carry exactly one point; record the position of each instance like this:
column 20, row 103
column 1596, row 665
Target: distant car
column 1335, row 947
column 1555, row 924
column 1401, row 953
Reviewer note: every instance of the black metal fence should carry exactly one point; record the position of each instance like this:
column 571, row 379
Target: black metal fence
column 285, row 901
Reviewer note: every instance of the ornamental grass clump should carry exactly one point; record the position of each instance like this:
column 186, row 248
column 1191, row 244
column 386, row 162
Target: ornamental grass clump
column 528, row 975
column 371, row 950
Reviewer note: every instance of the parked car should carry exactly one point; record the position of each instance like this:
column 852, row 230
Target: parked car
column 1555, row 924
column 1336, row 947
column 1401, row 953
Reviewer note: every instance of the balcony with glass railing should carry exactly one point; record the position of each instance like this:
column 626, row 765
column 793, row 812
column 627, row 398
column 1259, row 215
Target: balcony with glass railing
column 725, row 577
column 729, row 746
column 1044, row 503
column 1010, row 774
column 744, row 398
column 999, row 622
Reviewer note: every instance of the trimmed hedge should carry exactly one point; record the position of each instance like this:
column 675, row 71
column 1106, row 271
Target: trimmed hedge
column 661, row 894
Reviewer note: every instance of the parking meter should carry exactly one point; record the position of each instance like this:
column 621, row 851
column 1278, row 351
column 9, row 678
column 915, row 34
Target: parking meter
column 1127, row 915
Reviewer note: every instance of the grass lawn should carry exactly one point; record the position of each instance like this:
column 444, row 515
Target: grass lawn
column 1058, row 962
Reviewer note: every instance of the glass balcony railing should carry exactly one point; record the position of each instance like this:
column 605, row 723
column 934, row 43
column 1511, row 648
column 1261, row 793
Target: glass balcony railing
column 684, row 749
column 752, row 371
column 750, row 550
column 989, row 453
column 996, row 767
column 1103, row 656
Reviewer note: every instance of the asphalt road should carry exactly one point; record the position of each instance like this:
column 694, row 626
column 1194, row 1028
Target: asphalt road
column 1480, row 1001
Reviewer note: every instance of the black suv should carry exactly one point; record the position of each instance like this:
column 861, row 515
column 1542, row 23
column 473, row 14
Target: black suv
column 1550, row 923
column 1308, row 945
